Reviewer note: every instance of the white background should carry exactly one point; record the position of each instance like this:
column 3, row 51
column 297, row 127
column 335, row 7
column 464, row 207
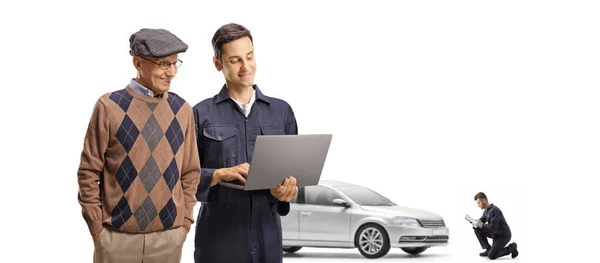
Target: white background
column 429, row 103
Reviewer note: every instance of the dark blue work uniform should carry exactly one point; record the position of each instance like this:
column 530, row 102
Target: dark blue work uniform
column 497, row 229
column 234, row 225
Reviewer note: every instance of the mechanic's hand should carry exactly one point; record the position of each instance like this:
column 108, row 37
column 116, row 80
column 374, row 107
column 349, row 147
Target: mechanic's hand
column 96, row 235
column 285, row 191
column 477, row 224
column 237, row 172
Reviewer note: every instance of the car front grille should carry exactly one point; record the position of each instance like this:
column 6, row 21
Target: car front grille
column 426, row 239
column 432, row 223
column 437, row 239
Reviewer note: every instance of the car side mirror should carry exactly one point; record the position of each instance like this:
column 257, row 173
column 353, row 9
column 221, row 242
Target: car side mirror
column 341, row 202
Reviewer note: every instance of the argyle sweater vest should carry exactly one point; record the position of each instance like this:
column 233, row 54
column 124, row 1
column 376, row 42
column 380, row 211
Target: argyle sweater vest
column 139, row 168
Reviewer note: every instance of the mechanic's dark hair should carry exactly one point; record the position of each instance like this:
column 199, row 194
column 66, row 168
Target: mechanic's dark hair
column 226, row 34
column 480, row 195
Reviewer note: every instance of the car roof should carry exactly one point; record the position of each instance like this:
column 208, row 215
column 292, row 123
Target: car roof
column 334, row 183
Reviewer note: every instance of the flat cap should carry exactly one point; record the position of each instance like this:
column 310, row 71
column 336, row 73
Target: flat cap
column 156, row 43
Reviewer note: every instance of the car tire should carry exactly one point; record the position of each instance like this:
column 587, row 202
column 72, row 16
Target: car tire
column 414, row 250
column 291, row 249
column 372, row 241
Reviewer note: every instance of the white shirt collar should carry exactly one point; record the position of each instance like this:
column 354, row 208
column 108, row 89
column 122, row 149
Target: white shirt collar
column 246, row 107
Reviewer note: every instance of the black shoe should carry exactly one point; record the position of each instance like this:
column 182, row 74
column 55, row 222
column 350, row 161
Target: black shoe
column 485, row 253
column 513, row 250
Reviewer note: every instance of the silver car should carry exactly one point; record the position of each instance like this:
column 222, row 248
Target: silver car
column 342, row 215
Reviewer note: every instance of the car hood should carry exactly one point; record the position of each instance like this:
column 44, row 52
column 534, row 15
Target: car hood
column 403, row 211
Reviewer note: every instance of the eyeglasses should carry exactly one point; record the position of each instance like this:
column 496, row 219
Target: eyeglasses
column 166, row 65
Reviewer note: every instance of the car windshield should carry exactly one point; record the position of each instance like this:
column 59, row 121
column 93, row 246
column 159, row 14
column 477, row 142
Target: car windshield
column 364, row 196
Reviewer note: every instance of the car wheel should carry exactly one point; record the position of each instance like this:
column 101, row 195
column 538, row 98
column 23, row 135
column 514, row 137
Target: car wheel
column 372, row 241
column 291, row 249
column 414, row 250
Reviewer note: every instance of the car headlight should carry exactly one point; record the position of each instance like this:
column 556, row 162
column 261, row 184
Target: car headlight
column 405, row 221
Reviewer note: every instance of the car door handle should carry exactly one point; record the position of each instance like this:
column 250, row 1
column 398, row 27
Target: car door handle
column 305, row 213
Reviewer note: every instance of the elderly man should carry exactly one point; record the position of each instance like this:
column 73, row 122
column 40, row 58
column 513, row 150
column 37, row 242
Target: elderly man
column 238, row 226
column 139, row 167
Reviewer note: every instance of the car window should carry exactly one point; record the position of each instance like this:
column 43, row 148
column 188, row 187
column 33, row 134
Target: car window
column 319, row 195
column 364, row 196
column 294, row 199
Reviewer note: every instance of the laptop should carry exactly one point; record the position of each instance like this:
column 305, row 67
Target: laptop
column 277, row 157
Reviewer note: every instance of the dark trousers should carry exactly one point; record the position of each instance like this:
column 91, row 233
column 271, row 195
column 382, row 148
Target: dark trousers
column 498, row 247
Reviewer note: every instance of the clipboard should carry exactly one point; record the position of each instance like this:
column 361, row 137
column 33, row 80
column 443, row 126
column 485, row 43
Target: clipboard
column 470, row 219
